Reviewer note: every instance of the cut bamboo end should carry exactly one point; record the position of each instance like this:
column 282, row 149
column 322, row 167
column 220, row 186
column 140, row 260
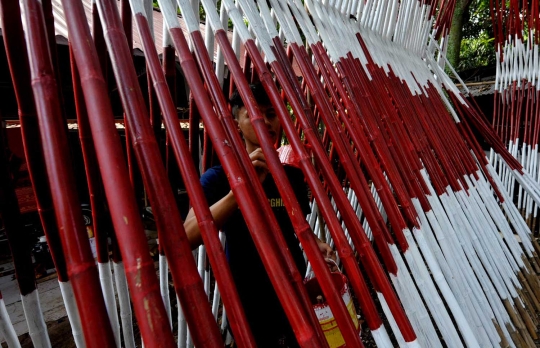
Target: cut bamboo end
column 535, row 263
column 516, row 337
column 513, row 314
column 536, row 247
column 526, row 318
column 527, row 292
column 532, row 279
column 527, row 338
column 504, row 342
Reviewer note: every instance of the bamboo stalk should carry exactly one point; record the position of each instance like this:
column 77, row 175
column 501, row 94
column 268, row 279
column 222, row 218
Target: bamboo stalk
column 81, row 268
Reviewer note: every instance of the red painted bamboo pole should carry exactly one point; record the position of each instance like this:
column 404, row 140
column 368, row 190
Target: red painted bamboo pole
column 20, row 75
column 344, row 250
column 369, row 259
column 351, row 122
column 81, row 267
column 187, row 282
column 131, row 161
column 194, row 132
column 99, row 40
column 371, row 163
column 347, row 159
column 95, row 185
column 49, row 25
column 209, row 231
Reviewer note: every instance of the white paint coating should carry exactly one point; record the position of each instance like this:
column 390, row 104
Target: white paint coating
column 6, row 328
column 107, row 287
column 37, row 329
column 72, row 313
column 126, row 316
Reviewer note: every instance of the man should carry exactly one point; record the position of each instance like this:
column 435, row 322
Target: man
column 264, row 313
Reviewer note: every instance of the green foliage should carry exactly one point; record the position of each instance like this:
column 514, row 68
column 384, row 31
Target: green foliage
column 477, row 45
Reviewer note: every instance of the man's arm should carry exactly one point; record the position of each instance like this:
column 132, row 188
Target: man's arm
column 221, row 211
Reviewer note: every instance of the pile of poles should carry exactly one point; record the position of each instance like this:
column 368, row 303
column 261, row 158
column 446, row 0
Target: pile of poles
column 401, row 188
column 516, row 115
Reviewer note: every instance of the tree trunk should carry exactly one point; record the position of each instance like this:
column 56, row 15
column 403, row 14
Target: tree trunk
column 456, row 32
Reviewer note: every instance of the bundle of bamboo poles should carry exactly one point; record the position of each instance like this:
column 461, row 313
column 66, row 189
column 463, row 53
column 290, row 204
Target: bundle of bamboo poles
column 516, row 107
column 401, row 187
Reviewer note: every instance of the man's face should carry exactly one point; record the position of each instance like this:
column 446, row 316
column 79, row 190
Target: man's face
column 244, row 124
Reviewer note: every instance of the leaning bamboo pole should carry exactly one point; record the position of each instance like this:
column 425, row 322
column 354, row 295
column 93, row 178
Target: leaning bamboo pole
column 6, row 327
column 80, row 264
column 120, row 281
column 97, row 203
column 303, row 231
column 372, row 164
column 353, row 134
column 139, row 268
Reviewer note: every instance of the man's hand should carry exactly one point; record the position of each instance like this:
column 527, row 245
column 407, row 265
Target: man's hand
column 259, row 162
column 329, row 254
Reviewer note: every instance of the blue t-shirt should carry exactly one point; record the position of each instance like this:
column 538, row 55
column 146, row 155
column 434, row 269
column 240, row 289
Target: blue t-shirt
column 260, row 302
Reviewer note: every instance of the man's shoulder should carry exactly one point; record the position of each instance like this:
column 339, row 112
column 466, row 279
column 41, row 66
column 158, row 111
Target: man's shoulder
column 215, row 173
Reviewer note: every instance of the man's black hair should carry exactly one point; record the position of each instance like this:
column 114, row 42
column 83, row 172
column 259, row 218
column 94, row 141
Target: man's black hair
column 259, row 93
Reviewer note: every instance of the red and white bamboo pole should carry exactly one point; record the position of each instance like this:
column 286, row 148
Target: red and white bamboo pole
column 169, row 71
column 97, row 201
column 81, row 269
column 350, row 132
column 301, row 226
column 132, row 240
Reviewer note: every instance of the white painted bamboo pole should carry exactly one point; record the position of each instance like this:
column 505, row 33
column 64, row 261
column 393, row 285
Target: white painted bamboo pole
column 37, row 329
column 467, row 283
column 107, row 287
column 182, row 326
column 73, row 313
column 6, row 327
column 126, row 315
